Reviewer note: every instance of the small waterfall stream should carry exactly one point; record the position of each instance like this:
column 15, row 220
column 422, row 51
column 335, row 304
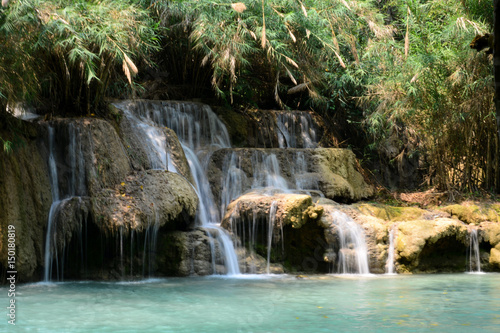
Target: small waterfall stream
column 270, row 230
column 295, row 130
column 353, row 253
column 73, row 186
column 474, row 255
column 266, row 172
column 390, row 252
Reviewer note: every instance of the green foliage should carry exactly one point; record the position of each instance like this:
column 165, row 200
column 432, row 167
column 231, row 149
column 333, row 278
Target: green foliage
column 437, row 93
column 274, row 50
column 7, row 146
column 64, row 53
column 408, row 63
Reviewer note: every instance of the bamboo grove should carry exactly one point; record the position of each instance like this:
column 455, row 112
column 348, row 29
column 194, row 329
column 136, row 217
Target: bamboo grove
column 397, row 72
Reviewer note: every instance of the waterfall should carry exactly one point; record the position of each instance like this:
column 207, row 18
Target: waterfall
column 233, row 179
column 73, row 186
column 390, row 255
column 55, row 204
column 304, row 181
column 266, row 172
column 353, row 253
column 474, row 258
column 293, row 125
column 200, row 133
column 270, row 230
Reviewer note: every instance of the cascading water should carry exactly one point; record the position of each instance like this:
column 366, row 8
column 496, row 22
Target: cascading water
column 270, row 231
column 74, row 186
column 233, row 181
column 353, row 253
column 304, row 181
column 390, row 252
column 295, row 130
column 474, row 257
column 200, row 133
column 266, row 172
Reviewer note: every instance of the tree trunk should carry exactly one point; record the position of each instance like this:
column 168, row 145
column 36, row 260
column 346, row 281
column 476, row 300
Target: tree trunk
column 496, row 64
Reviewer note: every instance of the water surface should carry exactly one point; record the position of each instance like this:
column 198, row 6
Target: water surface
column 419, row 303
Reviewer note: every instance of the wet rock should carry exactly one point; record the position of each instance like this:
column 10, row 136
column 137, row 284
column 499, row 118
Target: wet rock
column 283, row 226
column 266, row 128
column 70, row 215
column 252, row 263
column 25, row 199
column 186, row 253
column 327, row 170
column 136, row 150
column 143, row 198
column 374, row 233
column 293, row 209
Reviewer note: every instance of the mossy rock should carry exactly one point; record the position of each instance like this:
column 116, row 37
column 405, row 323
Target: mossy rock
column 236, row 123
column 490, row 233
column 391, row 213
column 293, row 209
column 495, row 258
column 474, row 214
column 431, row 246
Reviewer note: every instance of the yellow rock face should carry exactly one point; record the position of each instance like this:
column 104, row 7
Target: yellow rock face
column 474, row 214
column 491, row 233
column 391, row 213
column 495, row 257
column 413, row 236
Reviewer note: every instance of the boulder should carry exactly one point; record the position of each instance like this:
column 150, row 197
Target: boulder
column 431, row 245
column 144, row 198
column 489, row 237
column 293, row 209
column 495, row 258
column 338, row 177
column 185, row 253
column 287, row 222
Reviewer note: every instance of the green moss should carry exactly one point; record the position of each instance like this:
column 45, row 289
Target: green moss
column 391, row 213
column 236, row 123
column 473, row 214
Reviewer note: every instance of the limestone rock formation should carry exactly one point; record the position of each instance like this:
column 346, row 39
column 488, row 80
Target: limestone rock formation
column 338, row 177
column 24, row 200
column 188, row 254
column 293, row 209
column 431, row 245
column 328, row 170
column 282, row 226
column 143, row 198
column 489, row 233
column 264, row 128
column 103, row 190
column 137, row 151
column 474, row 214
